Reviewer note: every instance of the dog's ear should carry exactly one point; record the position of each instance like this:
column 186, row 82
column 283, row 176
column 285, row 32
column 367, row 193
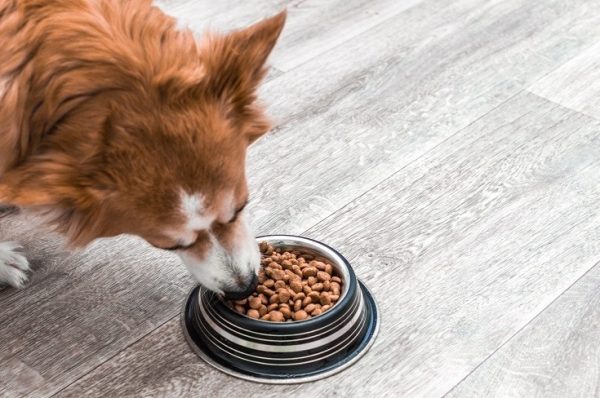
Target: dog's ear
column 235, row 63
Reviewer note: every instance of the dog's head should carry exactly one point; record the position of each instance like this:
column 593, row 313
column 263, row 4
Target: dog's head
column 163, row 157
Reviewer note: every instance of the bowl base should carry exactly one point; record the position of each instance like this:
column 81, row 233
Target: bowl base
column 199, row 347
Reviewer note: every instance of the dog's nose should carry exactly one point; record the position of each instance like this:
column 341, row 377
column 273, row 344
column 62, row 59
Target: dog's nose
column 245, row 292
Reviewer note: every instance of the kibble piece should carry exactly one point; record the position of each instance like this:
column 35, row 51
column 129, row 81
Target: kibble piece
column 309, row 308
column 311, row 281
column 286, row 264
column 275, row 274
column 279, row 284
column 336, row 279
column 325, row 308
column 266, row 317
column 309, row 271
column 262, row 310
column 268, row 292
column 254, row 302
column 306, row 289
column 272, row 307
column 252, row 313
column 334, row 297
column 325, row 298
column 291, row 292
column 241, row 302
column 296, row 286
column 317, row 287
column 316, row 311
column 296, row 270
column 276, row 316
column 269, row 283
column 306, row 301
column 319, row 265
column 287, row 313
column 284, row 295
column 274, row 298
column 327, row 285
column 300, row 296
column 300, row 315
column 263, row 299
column 315, row 296
column 323, row 276
column 335, row 288
column 240, row 308
column 297, row 305
column 263, row 246
column 261, row 276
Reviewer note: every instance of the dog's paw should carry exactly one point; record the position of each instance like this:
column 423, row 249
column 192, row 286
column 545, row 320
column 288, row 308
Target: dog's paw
column 13, row 264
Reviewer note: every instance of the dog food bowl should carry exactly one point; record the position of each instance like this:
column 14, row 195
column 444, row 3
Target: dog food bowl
column 284, row 352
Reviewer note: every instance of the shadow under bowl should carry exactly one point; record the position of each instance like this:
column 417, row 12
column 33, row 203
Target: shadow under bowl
column 284, row 352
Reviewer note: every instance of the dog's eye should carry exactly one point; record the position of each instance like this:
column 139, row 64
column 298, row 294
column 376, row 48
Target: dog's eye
column 237, row 212
column 176, row 247
column 172, row 248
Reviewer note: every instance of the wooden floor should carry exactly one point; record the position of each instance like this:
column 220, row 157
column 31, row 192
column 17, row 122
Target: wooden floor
column 449, row 148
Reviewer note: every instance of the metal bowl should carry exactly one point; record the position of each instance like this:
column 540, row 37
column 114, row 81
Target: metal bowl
column 287, row 352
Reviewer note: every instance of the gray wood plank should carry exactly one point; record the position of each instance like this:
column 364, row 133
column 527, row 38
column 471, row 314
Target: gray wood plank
column 81, row 307
column 576, row 84
column 556, row 355
column 462, row 248
column 356, row 114
column 313, row 26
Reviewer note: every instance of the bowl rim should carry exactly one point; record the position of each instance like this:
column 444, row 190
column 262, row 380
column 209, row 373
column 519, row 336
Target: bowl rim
column 349, row 290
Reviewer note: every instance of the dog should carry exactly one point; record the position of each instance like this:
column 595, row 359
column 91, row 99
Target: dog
column 114, row 121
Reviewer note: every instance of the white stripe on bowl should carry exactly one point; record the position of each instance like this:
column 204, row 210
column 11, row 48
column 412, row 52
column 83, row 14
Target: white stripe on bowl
column 238, row 329
column 348, row 340
column 273, row 348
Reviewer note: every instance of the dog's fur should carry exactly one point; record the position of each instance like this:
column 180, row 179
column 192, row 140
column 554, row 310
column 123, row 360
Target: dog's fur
column 112, row 121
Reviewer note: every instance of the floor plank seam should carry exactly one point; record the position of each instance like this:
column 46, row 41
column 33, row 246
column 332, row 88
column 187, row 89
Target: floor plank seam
column 125, row 348
column 283, row 71
column 542, row 311
column 533, row 82
column 563, row 106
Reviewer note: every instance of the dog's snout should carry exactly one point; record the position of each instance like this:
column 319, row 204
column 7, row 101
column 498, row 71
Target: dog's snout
column 246, row 289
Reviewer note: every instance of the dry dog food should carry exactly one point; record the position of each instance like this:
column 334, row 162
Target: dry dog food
column 293, row 286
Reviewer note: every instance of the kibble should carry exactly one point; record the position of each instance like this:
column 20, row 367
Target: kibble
column 293, row 286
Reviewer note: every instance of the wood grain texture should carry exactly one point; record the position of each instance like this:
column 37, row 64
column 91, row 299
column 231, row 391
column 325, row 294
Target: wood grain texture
column 576, row 84
column 462, row 248
column 80, row 308
column 389, row 99
column 313, row 26
column 556, row 355
column 356, row 114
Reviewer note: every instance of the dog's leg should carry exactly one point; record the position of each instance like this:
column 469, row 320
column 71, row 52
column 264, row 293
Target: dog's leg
column 13, row 264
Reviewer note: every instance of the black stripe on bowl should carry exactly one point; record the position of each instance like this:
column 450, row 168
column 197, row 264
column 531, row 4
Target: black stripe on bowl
column 283, row 351
column 210, row 315
column 239, row 367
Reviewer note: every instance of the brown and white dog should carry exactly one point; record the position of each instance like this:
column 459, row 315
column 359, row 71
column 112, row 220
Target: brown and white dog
column 112, row 121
